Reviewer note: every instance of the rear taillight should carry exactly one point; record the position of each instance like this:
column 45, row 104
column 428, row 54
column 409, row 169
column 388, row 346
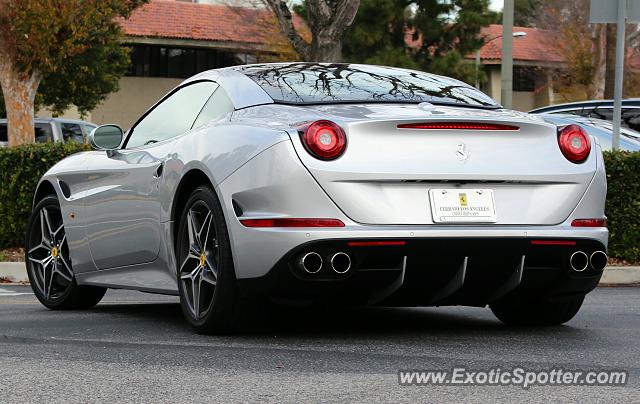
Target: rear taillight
column 589, row 223
column 574, row 143
column 324, row 140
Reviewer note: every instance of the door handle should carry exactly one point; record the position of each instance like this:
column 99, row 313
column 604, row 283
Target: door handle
column 159, row 170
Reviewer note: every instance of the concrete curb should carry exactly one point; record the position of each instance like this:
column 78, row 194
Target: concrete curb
column 630, row 275
column 14, row 271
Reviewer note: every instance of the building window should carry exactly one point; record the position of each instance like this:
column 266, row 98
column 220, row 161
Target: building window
column 164, row 61
column 524, row 78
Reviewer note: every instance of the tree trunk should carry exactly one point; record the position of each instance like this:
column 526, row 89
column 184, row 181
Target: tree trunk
column 327, row 22
column 325, row 48
column 610, row 72
column 599, row 62
column 19, row 91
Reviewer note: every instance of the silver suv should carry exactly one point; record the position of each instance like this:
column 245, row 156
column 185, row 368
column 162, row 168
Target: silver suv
column 54, row 130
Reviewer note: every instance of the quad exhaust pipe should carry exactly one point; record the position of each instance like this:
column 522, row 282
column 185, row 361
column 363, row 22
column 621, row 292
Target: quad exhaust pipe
column 598, row 260
column 340, row 263
column 312, row 262
column 580, row 261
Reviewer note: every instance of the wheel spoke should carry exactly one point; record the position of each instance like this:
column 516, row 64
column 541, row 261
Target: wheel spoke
column 209, row 276
column 184, row 264
column 206, row 226
column 69, row 273
column 38, row 247
column 47, row 220
column 191, row 229
column 48, row 280
column 45, row 228
column 195, row 294
column 58, row 230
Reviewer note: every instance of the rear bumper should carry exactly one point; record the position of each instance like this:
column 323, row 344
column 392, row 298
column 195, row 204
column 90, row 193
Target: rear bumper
column 431, row 271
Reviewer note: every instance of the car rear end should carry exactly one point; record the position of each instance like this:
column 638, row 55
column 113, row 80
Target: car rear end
column 421, row 204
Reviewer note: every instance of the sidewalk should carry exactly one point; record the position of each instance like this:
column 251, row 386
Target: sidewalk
column 613, row 276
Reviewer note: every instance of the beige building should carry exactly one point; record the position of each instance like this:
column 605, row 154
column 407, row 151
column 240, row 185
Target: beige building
column 173, row 40
column 534, row 59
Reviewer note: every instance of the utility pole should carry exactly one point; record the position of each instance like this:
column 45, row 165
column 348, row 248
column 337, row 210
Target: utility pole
column 617, row 92
column 506, row 73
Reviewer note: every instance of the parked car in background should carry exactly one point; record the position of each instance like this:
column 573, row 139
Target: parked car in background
column 599, row 109
column 54, row 130
column 601, row 129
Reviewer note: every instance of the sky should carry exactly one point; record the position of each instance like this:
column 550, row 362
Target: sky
column 496, row 5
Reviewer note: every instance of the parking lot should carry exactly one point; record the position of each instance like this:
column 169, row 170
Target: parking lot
column 136, row 347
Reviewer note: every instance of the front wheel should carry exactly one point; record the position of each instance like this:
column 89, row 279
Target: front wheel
column 206, row 276
column 49, row 264
column 537, row 311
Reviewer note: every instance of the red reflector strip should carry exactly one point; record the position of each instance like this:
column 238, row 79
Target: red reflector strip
column 589, row 223
column 553, row 242
column 291, row 222
column 458, row 125
column 375, row 243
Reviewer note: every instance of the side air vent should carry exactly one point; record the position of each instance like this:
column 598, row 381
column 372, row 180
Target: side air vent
column 64, row 187
column 236, row 208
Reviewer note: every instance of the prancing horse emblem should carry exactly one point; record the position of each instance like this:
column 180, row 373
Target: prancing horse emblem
column 461, row 152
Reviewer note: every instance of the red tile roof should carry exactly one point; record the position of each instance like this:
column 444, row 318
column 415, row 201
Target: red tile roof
column 205, row 22
column 536, row 46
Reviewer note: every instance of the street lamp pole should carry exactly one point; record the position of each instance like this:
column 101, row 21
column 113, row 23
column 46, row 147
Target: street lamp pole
column 518, row 34
column 506, row 72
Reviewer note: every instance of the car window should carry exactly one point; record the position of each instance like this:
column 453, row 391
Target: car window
column 72, row 132
column 601, row 113
column 217, row 105
column 314, row 83
column 44, row 132
column 631, row 118
column 4, row 132
column 88, row 129
column 579, row 112
column 174, row 116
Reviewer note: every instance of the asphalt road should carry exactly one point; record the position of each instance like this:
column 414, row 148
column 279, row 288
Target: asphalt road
column 134, row 347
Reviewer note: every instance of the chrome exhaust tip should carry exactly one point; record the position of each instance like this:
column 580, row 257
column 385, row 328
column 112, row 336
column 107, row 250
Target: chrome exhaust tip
column 579, row 261
column 340, row 262
column 598, row 260
column 311, row 262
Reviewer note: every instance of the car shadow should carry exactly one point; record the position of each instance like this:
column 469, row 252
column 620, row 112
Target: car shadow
column 351, row 322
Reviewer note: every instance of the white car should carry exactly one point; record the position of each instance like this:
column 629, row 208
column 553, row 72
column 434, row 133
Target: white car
column 335, row 183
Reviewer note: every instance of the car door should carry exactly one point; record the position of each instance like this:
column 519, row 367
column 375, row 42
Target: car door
column 122, row 203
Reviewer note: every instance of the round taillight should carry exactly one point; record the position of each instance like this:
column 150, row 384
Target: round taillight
column 324, row 140
column 574, row 143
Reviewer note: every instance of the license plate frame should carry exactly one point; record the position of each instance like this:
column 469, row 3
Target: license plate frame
column 463, row 205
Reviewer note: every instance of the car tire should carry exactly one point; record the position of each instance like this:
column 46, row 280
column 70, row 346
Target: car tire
column 537, row 311
column 205, row 272
column 49, row 265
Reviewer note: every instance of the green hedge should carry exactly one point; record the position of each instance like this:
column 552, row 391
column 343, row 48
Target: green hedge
column 22, row 167
column 20, row 170
column 623, row 204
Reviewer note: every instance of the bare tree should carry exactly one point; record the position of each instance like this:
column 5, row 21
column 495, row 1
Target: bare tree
column 327, row 19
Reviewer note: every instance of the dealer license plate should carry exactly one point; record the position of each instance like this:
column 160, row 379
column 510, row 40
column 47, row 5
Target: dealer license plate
column 462, row 205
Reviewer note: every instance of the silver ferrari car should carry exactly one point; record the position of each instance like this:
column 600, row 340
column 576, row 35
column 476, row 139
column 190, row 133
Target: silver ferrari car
column 326, row 184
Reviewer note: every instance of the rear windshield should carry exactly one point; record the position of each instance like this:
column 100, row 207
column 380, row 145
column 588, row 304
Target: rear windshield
column 305, row 83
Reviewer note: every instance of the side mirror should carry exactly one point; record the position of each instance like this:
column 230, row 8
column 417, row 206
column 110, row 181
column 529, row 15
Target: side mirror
column 106, row 137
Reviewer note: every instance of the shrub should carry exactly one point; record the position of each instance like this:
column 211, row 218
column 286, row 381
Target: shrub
column 20, row 170
column 623, row 204
column 22, row 167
